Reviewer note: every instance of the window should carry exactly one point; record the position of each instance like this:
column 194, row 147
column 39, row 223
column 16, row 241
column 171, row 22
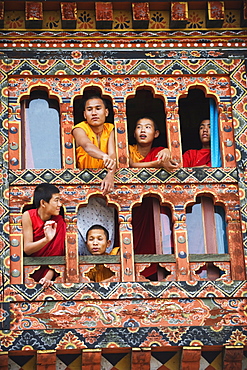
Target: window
column 98, row 267
column 192, row 111
column 41, row 125
column 206, row 227
column 152, row 233
column 144, row 104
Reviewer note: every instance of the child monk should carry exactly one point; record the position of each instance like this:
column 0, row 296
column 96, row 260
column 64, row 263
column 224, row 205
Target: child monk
column 142, row 154
column 44, row 230
column 201, row 157
column 95, row 143
column 97, row 242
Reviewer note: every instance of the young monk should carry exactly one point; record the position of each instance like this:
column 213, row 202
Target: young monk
column 201, row 157
column 142, row 154
column 97, row 242
column 44, row 230
column 95, row 143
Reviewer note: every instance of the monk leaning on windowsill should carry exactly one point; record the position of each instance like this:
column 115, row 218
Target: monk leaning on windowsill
column 44, row 230
column 95, row 143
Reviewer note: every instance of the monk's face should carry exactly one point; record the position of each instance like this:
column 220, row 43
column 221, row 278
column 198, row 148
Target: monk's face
column 97, row 242
column 145, row 131
column 95, row 112
column 52, row 208
column 204, row 133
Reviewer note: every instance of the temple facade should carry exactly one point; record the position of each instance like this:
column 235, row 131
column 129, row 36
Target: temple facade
column 178, row 62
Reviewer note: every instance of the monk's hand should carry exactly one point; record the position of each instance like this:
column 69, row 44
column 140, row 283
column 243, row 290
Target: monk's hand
column 109, row 163
column 169, row 165
column 107, row 185
column 50, row 228
column 46, row 282
column 164, row 155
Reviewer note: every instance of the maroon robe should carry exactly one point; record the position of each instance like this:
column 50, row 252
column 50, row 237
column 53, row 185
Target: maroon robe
column 195, row 158
column 53, row 248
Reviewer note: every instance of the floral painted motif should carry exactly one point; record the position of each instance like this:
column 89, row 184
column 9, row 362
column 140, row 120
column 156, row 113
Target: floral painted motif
column 195, row 21
column 52, row 22
column 158, row 21
column 7, row 337
column 122, row 21
column 230, row 20
column 70, row 341
column 85, row 20
column 237, row 338
column 15, row 20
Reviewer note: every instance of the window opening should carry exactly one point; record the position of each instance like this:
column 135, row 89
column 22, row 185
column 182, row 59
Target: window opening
column 38, row 272
column 41, row 126
column 210, row 271
column 192, row 110
column 152, row 233
column 97, row 212
column 206, row 227
column 145, row 105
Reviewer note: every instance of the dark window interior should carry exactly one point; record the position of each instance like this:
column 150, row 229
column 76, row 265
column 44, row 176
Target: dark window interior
column 192, row 110
column 79, row 104
column 42, row 94
column 144, row 104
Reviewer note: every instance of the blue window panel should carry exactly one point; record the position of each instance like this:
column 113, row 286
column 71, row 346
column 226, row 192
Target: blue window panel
column 195, row 230
column 42, row 134
column 214, row 129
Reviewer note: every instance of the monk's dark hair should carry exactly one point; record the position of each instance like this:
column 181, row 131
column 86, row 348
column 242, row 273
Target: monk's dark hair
column 204, row 119
column 94, row 97
column 98, row 227
column 151, row 119
column 44, row 191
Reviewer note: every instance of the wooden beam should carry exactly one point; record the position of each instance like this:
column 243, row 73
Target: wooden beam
column 68, row 14
column 1, row 14
column 4, row 359
column 46, row 360
column 33, row 14
column 91, row 359
column 191, row 358
column 215, row 14
column 233, row 357
column 103, row 15
column 140, row 14
column 178, row 14
column 140, row 359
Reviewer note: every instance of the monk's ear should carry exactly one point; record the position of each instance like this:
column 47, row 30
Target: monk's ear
column 157, row 133
column 42, row 203
column 84, row 115
column 108, row 243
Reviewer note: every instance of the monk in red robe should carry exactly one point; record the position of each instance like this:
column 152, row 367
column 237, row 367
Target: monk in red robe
column 201, row 157
column 44, row 230
column 142, row 154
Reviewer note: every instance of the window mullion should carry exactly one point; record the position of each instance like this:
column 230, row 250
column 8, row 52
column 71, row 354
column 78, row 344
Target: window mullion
column 209, row 225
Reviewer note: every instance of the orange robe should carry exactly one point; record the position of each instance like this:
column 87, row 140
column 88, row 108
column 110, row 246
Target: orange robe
column 84, row 160
column 100, row 272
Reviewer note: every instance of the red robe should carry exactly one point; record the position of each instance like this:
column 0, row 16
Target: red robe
column 54, row 248
column 152, row 155
column 195, row 158
column 143, row 224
